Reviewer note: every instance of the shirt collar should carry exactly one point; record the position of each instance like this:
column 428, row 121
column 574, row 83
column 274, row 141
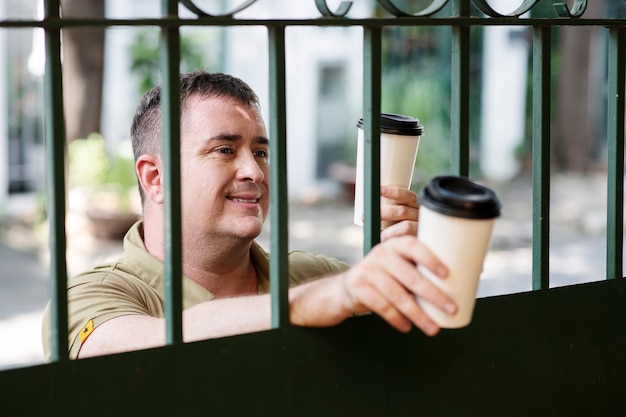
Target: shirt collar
column 151, row 269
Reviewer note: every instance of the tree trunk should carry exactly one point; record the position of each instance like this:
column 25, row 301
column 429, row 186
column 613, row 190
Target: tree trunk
column 83, row 63
column 575, row 136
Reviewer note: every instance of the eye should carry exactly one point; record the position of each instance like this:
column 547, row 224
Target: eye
column 261, row 154
column 225, row 150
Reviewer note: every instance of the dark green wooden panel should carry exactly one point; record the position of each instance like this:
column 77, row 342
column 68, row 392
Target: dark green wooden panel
column 560, row 352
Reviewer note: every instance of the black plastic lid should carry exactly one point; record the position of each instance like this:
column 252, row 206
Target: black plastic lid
column 397, row 124
column 460, row 197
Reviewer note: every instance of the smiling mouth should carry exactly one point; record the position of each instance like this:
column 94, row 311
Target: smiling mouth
column 243, row 200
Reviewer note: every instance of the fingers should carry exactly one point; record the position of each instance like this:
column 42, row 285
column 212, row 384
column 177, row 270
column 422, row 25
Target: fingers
column 400, row 214
column 403, row 228
column 411, row 252
column 388, row 281
column 399, row 195
column 397, row 306
column 369, row 297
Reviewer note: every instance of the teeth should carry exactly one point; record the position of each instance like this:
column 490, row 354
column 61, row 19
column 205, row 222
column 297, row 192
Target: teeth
column 241, row 200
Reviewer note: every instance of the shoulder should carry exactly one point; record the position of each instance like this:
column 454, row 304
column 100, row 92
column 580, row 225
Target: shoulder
column 304, row 266
column 103, row 281
column 107, row 292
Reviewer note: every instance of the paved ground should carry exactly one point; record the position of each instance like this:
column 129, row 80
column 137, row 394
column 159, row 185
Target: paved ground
column 577, row 251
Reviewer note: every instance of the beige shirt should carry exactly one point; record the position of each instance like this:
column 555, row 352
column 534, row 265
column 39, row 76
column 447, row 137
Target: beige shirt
column 134, row 285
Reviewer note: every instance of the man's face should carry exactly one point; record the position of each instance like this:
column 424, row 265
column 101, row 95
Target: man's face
column 224, row 169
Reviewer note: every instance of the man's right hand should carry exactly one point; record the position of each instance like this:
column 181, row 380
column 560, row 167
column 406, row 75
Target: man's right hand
column 386, row 282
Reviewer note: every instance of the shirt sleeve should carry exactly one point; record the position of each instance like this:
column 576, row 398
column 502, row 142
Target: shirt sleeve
column 304, row 266
column 96, row 297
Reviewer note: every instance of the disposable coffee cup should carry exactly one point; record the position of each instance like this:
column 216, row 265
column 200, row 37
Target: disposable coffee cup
column 399, row 142
column 456, row 221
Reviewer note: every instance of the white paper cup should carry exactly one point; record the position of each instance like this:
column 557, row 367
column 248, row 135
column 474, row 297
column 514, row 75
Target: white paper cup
column 399, row 142
column 456, row 222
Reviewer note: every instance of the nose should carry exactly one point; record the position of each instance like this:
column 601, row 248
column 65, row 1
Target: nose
column 248, row 169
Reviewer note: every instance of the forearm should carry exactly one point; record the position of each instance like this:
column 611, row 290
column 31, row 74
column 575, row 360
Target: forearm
column 311, row 304
column 315, row 304
column 227, row 317
column 319, row 303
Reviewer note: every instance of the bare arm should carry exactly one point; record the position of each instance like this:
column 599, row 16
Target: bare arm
column 133, row 332
column 385, row 282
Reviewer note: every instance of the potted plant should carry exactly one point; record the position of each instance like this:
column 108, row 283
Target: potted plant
column 103, row 185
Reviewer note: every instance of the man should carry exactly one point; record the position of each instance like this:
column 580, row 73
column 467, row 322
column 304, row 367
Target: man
column 224, row 198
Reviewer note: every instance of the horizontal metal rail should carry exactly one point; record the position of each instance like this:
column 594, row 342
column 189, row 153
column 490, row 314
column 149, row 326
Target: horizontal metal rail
column 324, row 22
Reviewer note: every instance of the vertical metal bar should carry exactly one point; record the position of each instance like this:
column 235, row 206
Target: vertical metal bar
column 460, row 85
column 615, row 143
column 279, row 214
column 55, row 176
column 371, row 129
column 541, row 156
column 170, row 110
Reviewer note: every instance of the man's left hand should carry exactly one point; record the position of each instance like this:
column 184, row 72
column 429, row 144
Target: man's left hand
column 403, row 212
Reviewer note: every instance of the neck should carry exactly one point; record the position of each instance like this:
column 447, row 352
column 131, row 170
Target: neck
column 234, row 277
column 205, row 264
column 224, row 269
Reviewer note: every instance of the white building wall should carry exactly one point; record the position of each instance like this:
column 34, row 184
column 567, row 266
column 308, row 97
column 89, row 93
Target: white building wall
column 120, row 94
column 21, row 58
column 307, row 50
column 505, row 63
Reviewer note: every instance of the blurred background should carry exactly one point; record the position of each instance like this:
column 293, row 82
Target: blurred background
column 106, row 70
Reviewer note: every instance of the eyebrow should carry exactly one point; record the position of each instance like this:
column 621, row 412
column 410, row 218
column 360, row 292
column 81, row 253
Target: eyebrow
column 261, row 140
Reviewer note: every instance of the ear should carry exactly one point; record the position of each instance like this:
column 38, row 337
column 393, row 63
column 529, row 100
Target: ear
column 148, row 168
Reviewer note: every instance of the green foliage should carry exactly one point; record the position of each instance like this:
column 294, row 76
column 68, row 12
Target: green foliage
column 145, row 56
column 88, row 161
column 424, row 96
column 99, row 171
column 416, row 80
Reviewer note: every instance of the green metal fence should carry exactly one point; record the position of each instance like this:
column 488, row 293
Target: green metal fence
column 341, row 356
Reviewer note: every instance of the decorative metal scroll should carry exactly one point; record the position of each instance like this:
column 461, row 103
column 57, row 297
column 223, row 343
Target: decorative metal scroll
column 562, row 9
column 577, row 11
column 342, row 10
column 201, row 13
column 484, row 7
column 433, row 8
column 388, row 5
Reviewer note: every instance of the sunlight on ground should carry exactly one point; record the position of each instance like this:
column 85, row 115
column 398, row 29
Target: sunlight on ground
column 21, row 340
